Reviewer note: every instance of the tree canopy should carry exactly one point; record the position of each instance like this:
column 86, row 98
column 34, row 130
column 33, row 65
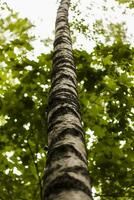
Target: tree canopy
column 106, row 93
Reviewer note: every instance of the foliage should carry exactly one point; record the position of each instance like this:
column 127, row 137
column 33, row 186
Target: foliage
column 23, row 107
column 106, row 77
column 129, row 2
column 106, row 92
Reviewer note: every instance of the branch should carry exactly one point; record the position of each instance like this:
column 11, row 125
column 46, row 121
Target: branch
column 37, row 169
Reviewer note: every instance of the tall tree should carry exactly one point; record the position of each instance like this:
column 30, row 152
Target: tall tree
column 106, row 92
column 66, row 174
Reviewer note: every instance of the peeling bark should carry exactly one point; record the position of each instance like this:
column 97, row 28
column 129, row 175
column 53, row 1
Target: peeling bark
column 66, row 175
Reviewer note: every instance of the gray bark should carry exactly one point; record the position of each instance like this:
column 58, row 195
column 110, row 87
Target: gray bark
column 66, row 175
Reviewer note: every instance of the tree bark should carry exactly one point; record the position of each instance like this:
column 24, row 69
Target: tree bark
column 66, row 175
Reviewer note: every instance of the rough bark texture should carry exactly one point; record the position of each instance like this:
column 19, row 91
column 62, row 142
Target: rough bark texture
column 66, row 175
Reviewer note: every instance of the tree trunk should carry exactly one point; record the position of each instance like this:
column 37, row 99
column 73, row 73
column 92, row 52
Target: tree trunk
column 66, row 175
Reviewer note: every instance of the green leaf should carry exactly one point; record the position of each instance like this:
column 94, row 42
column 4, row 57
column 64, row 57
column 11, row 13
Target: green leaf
column 99, row 131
